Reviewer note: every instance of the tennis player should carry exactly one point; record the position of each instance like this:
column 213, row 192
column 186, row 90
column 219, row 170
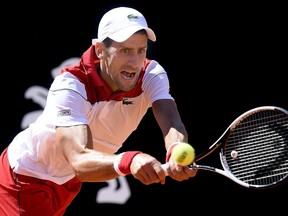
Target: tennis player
column 92, row 108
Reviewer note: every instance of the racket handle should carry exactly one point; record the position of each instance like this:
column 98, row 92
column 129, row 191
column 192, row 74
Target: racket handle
column 194, row 165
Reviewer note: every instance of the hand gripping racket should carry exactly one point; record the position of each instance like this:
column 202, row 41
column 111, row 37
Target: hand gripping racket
column 254, row 149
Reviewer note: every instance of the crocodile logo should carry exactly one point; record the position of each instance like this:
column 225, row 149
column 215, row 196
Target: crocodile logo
column 132, row 16
column 127, row 102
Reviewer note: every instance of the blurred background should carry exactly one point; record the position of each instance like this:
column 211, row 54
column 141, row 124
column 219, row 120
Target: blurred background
column 222, row 59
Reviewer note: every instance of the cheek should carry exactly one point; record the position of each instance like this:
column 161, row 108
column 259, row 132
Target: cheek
column 142, row 57
column 142, row 60
column 114, row 66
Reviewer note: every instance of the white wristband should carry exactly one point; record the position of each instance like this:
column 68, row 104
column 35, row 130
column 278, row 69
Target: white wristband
column 116, row 164
column 173, row 144
column 169, row 150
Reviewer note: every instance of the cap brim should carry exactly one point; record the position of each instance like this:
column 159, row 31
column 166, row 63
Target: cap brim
column 94, row 41
column 125, row 33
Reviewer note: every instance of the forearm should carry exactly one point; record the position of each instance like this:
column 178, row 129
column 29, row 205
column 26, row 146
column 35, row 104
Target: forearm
column 93, row 166
column 175, row 135
column 169, row 121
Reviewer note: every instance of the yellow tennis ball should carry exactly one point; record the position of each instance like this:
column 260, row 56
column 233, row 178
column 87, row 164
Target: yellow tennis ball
column 183, row 154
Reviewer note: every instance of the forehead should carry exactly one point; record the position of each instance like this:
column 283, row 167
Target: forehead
column 135, row 41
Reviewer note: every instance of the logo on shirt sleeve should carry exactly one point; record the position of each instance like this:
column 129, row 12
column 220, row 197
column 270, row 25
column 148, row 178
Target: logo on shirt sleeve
column 64, row 112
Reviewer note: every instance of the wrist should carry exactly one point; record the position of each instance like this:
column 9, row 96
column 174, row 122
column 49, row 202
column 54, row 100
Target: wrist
column 123, row 162
column 170, row 149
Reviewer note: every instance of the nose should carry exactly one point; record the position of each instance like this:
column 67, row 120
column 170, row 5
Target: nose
column 134, row 60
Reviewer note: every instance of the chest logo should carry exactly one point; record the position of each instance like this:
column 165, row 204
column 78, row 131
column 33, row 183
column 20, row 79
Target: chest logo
column 126, row 102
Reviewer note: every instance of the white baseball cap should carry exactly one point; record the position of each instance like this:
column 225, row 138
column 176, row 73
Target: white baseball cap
column 120, row 23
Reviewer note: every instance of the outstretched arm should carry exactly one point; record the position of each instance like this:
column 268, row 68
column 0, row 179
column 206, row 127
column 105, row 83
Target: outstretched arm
column 173, row 129
column 88, row 165
column 169, row 120
column 94, row 166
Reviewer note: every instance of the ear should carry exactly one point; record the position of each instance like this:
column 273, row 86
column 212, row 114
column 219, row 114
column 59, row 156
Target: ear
column 99, row 49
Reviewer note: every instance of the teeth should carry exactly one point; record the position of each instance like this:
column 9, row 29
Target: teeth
column 127, row 75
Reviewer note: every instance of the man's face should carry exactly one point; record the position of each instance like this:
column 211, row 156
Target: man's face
column 122, row 62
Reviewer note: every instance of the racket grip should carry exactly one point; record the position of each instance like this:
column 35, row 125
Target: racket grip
column 194, row 165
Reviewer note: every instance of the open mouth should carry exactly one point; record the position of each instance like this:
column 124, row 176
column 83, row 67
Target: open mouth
column 127, row 75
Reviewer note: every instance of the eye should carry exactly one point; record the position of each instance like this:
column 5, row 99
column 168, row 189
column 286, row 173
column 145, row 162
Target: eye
column 125, row 51
column 142, row 50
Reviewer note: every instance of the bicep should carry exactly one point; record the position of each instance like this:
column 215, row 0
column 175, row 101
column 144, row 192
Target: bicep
column 73, row 140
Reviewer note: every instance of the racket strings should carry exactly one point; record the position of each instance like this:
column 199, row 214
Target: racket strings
column 256, row 149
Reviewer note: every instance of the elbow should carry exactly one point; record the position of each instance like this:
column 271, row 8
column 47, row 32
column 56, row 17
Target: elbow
column 80, row 175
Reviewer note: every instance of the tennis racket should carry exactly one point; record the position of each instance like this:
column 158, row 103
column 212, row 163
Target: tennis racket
column 254, row 149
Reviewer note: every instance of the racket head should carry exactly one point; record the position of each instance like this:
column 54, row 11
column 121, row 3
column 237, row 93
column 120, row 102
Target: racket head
column 255, row 148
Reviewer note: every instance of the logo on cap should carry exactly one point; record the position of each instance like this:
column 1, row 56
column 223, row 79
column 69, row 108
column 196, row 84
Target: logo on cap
column 131, row 16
